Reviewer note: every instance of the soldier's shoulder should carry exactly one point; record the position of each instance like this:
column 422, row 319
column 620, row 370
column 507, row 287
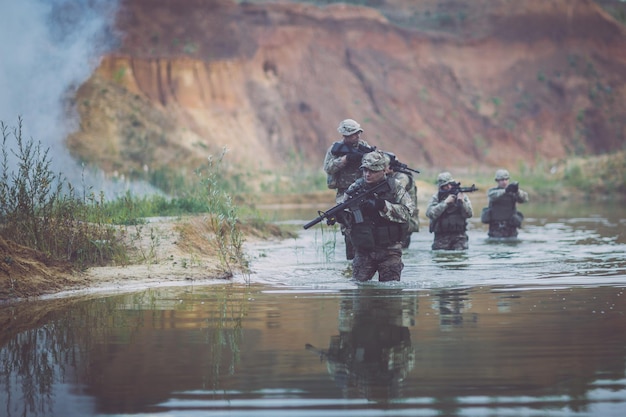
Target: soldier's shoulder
column 395, row 182
column 358, row 183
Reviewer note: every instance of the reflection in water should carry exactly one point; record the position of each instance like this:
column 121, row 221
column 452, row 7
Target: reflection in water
column 531, row 328
column 372, row 354
column 189, row 352
column 146, row 343
column 451, row 259
column 451, row 305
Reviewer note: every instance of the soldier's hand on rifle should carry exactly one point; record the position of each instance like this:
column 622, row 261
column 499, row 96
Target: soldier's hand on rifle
column 353, row 158
column 512, row 188
column 451, row 199
column 372, row 206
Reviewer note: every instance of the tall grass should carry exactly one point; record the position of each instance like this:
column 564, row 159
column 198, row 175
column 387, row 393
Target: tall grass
column 222, row 214
column 39, row 209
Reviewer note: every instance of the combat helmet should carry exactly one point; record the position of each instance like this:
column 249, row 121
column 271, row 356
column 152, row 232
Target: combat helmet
column 444, row 178
column 374, row 161
column 502, row 174
column 349, row 127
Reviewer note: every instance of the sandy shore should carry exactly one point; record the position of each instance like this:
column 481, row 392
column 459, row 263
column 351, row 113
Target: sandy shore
column 167, row 252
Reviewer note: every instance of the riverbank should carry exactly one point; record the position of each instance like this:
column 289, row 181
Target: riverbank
column 168, row 251
column 173, row 251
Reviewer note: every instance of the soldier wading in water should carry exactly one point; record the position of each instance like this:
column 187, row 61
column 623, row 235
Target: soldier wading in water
column 342, row 165
column 448, row 214
column 502, row 215
column 377, row 240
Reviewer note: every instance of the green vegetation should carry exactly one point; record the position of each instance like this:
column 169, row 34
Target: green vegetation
column 576, row 178
column 39, row 209
column 42, row 210
column 588, row 176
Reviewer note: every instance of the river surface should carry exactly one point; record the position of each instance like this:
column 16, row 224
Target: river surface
column 535, row 327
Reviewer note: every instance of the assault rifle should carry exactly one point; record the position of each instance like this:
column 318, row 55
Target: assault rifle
column 454, row 190
column 512, row 188
column 397, row 165
column 341, row 149
column 353, row 202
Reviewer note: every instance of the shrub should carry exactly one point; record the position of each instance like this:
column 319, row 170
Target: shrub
column 40, row 210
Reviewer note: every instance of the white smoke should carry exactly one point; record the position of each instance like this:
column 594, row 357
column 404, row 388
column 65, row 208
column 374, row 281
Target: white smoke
column 48, row 48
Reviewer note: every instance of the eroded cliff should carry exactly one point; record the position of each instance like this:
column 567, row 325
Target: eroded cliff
column 505, row 83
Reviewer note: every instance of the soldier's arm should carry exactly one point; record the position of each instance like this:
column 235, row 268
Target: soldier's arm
column 332, row 163
column 467, row 207
column 399, row 212
column 435, row 208
column 522, row 196
column 495, row 193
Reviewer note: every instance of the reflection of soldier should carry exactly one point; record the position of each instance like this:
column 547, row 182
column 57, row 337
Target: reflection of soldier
column 451, row 305
column 372, row 354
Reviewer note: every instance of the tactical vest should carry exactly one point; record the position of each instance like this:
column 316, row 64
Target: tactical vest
column 451, row 221
column 376, row 231
column 503, row 208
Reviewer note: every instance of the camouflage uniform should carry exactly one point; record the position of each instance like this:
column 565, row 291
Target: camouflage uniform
column 407, row 181
column 340, row 177
column 343, row 176
column 388, row 225
column 503, row 217
column 449, row 221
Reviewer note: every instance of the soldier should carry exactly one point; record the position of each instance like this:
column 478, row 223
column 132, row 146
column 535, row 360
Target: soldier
column 342, row 165
column 378, row 238
column 448, row 214
column 406, row 179
column 502, row 215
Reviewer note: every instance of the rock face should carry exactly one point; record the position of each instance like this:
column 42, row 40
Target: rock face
column 441, row 84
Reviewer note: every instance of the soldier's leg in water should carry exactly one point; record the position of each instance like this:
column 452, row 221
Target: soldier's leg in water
column 390, row 266
column 363, row 266
column 441, row 242
column 461, row 242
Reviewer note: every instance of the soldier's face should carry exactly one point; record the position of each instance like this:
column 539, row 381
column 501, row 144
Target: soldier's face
column 372, row 177
column 353, row 139
column 502, row 183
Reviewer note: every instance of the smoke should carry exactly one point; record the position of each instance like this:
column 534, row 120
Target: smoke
column 48, row 48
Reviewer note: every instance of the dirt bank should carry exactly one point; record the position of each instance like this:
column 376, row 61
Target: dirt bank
column 170, row 251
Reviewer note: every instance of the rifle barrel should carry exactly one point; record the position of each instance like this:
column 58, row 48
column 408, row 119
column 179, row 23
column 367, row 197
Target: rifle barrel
column 314, row 222
column 352, row 201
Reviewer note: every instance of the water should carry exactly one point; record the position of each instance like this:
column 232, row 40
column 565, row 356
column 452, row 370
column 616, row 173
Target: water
column 529, row 328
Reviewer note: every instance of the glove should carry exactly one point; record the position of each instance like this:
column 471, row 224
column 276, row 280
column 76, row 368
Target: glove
column 512, row 188
column 372, row 206
column 354, row 157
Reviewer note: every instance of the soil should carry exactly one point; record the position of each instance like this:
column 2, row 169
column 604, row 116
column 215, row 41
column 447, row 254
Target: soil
column 168, row 251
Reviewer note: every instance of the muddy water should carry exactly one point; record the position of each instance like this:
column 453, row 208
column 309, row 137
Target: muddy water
column 535, row 327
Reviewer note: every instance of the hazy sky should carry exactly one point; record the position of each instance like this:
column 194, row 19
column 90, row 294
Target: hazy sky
column 47, row 49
